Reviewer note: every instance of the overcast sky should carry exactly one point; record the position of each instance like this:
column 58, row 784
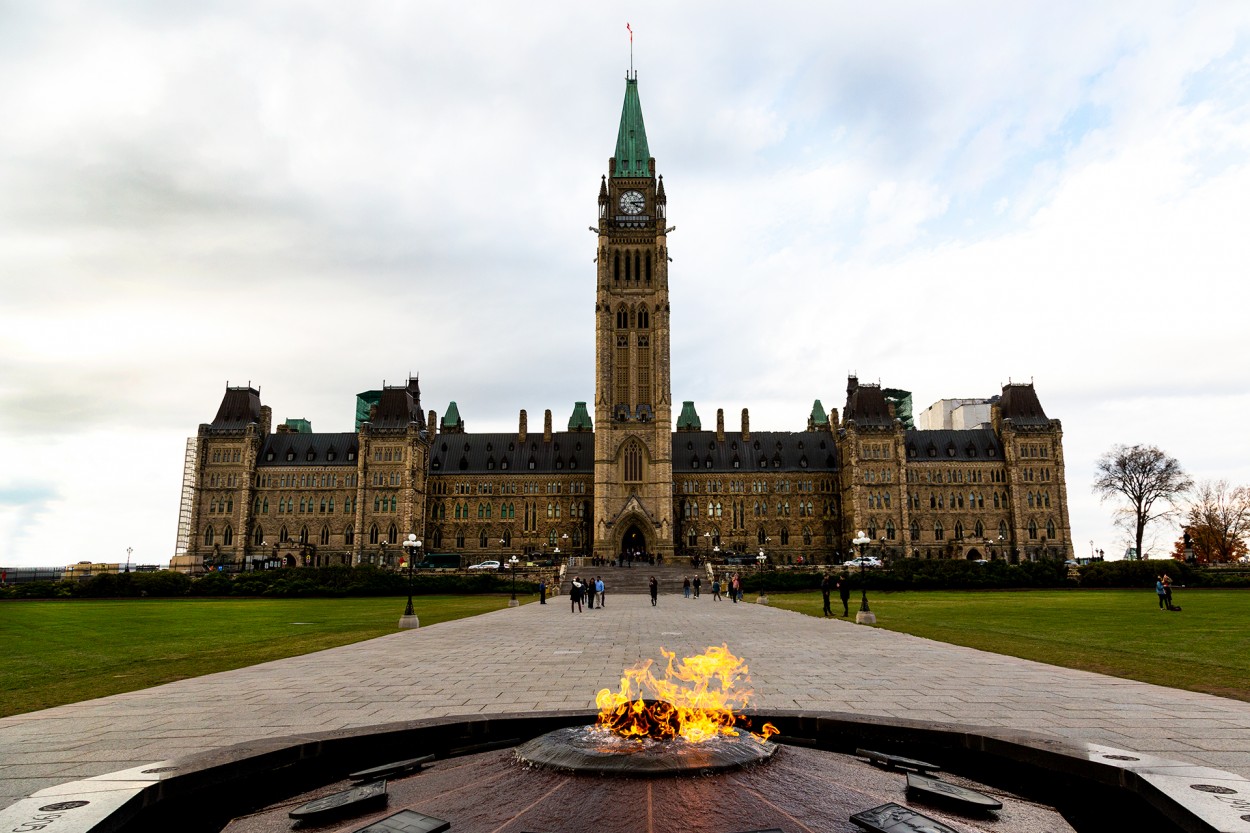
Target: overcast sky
column 317, row 197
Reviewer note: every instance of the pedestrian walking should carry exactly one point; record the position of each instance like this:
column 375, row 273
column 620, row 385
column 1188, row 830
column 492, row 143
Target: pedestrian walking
column 735, row 588
column 685, row 586
column 599, row 589
column 575, row 595
column 824, row 592
column 844, row 593
column 715, row 589
column 654, row 588
column 542, row 591
column 696, row 584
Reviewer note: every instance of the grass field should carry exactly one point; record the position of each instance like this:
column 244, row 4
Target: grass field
column 58, row 652
column 1118, row 632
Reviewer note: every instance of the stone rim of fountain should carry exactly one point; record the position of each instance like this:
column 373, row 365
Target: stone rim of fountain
column 234, row 779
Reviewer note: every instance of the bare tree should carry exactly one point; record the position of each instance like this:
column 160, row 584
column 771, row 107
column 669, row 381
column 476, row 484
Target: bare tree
column 1149, row 480
column 1219, row 519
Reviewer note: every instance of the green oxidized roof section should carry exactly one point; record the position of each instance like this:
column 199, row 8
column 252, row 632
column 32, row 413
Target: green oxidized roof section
column 580, row 421
column 689, row 419
column 819, row 417
column 632, row 155
column 452, row 418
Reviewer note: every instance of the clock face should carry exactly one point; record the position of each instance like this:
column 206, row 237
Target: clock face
column 632, row 202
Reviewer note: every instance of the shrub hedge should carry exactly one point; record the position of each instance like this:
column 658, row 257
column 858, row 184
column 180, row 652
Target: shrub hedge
column 284, row 583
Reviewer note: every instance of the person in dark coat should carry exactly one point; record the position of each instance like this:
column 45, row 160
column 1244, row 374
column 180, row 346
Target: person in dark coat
column 825, row 586
column 654, row 587
column 542, row 591
column 844, row 593
column 575, row 596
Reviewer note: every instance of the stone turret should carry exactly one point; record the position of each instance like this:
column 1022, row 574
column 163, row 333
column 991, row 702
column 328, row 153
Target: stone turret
column 521, row 431
column 720, row 425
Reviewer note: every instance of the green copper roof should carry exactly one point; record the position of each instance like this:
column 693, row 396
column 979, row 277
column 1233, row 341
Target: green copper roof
column 580, row 421
column 452, row 418
column 689, row 419
column 818, row 413
column 299, row 426
column 632, row 154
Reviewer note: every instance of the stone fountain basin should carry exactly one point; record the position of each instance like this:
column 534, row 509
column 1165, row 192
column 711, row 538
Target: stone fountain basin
column 1092, row 787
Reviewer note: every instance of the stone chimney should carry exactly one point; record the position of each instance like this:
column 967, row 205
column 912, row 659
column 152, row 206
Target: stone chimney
column 431, row 423
column 547, row 425
column 266, row 419
column 746, row 426
column 521, row 432
column 720, row 425
column 833, row 421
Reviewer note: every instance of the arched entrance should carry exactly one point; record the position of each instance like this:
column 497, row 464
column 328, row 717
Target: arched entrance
column 634, row 541
column 973, row 555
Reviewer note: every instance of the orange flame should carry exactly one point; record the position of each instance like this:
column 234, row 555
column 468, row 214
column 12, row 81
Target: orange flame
column 695, row 700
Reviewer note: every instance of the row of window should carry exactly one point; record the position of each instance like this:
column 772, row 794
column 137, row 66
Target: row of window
column 878, row 476
column 695, row 538
column 389, row 454
column 306, row 481
column 223, row 481
column 955, row 476
column 978, row 530
column 227, row 455
column 310, row 455
column 1034, row 450
column 970, row 450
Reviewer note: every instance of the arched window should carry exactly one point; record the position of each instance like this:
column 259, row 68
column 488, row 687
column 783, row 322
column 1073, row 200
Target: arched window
column 1050, row 530
column 915, row 531
column 616, row 270
column 692, row 538
column 349, row 535
column 481, row 541
column 807, row 536
column 392, row 534
column 959, row 530
column 633, row 463
column 283, row 535
column 303, row 535
column 373, row 534
column 507, row 538
column 208, row 537
column 1002, row 530
column 1033, row 529
column 938, row 532
column 889, row 529
column 325, row 535
column 648, row 262
column 551, row 511
column 259, row 537
column 227, row 536
column 785, row 537
column 438, row 539
column 761, row 536
column 980, row 530
column 872, row 528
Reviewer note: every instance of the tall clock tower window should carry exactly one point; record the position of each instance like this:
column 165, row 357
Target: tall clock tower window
column 633, row 463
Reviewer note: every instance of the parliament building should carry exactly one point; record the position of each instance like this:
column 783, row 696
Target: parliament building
column 976, row 479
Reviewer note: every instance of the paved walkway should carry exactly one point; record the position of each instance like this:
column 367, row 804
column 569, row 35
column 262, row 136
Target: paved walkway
column 542, row 657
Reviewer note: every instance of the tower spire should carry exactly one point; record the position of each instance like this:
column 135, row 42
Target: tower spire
column 632, row 156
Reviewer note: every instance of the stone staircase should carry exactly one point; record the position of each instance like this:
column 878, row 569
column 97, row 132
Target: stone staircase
column 633, row 580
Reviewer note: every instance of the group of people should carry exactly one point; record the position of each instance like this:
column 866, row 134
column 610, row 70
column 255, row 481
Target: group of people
column 843, row 585
column 1163, row 587
column 628, row 557
column 588, row 591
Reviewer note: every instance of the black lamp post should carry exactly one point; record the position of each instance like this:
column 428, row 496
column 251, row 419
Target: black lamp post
column 760, row 559
column 512, row 562
column 411, row 546
column 865, row 616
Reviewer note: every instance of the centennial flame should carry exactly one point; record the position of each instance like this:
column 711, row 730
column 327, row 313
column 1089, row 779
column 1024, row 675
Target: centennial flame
column 695, row 700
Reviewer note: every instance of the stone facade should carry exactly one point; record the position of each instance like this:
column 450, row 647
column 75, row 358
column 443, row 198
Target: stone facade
column 629, row 479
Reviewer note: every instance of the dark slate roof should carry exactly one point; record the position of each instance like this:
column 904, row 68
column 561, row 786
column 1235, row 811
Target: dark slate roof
column 302, row 447
column 399, row 406
column 966, row 444
column 867, row 405
column 1021, row 405
column 239, row 408
column 699, row 452
column 569, row 452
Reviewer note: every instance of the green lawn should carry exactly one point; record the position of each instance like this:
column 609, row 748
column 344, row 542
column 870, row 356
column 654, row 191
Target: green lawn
column 1118, row 632
column 57, row 652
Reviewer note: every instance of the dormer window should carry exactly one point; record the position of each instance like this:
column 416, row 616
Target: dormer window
column 269, row 455
column 290, row 456
column 351, row 455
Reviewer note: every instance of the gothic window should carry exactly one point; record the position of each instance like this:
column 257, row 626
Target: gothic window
column 692, row 538
column 373, row 534
column 303, row 535
column 644, row 319
column 208, row 537
column 959, row 530
column 616, row 269
column 915, row 531
column 259, row 537
column 761, row 536
column 481, row 541
column 807, row 536
column 1002, row 529
column 889, row 530
column 325, row 536
column 785, row 537
column 283, row 535
column 980, row 530
column 633, row 463
column 349, row 535
column 637, row 267
column 872, row 528
column 938, row 532
column 1033, row 529
column 460, row 539
column 648, row 273
column 1050, row 530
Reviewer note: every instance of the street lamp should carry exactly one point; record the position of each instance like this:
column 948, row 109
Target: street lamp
column 512, row 562
column 760, row 559
column 411, row 546
column 129, row 550
column 865, row 616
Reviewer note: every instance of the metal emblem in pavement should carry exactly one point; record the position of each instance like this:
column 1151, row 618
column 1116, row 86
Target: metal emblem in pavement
column 951, row 793
column 897, row 761
column 894, row 818
column 407, row 821
column 342, row 802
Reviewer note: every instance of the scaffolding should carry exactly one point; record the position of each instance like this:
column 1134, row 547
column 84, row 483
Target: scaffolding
column 188, row 496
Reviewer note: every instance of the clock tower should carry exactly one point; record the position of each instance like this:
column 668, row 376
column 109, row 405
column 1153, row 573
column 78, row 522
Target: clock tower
column 633, row 403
